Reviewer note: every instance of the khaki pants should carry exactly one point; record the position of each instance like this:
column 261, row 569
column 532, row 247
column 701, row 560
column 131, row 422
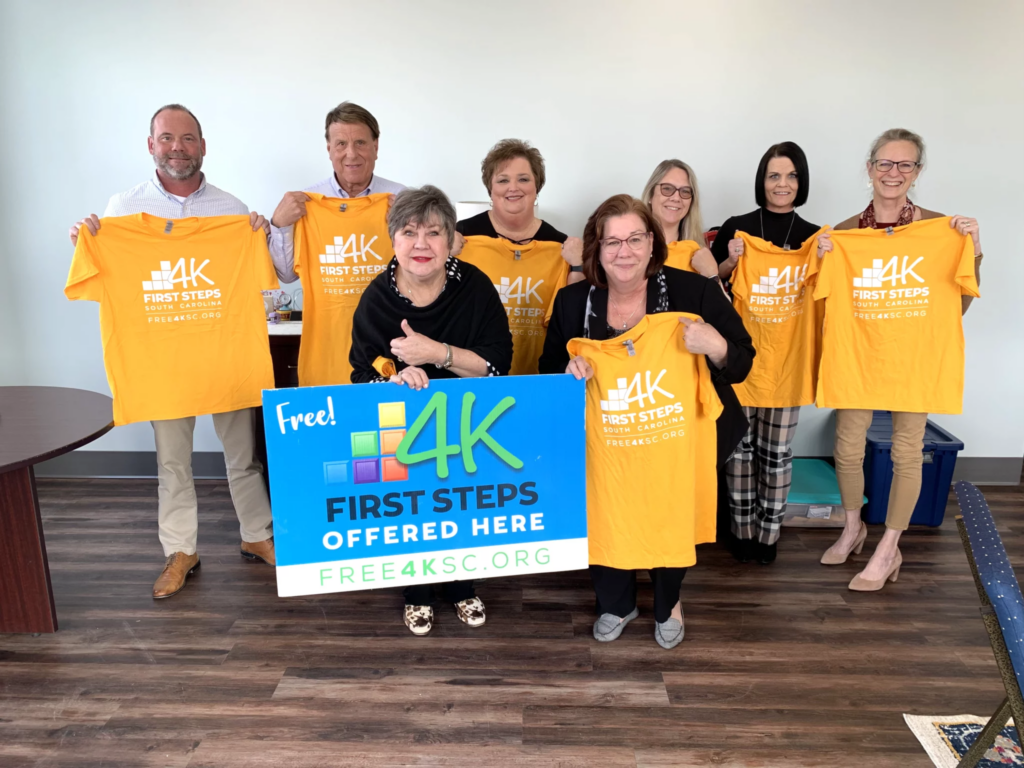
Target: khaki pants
column 907, row 446
column 178, row 511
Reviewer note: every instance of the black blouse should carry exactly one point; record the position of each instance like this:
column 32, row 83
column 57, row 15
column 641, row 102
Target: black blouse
column 776, row 230
column 467, row 314
column 481, row 225
column 581, row 310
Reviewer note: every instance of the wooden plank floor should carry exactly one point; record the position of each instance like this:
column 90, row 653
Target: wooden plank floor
column 781, row 666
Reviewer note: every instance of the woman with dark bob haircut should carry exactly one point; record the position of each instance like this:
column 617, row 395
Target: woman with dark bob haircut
column 760, row 472
column 624, row 254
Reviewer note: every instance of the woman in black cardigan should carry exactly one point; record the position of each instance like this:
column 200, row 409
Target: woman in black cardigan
column 429, row 316
column 662, row 289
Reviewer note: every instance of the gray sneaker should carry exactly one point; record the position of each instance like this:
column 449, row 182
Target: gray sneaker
column 669, row 634
column 608, row 627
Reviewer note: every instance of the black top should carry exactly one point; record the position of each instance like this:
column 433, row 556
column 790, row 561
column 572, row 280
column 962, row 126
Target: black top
column 481, row 225
column 468, row 314
column 672, row 290
column 775, row 227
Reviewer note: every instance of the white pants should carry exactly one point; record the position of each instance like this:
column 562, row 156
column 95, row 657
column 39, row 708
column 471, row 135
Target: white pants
column 178, row 510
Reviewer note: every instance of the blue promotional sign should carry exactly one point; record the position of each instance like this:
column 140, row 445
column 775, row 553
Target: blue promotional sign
column 375, row 485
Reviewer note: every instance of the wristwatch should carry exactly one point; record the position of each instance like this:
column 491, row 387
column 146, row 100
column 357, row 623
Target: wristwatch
column 447, row 358
column 575, row 267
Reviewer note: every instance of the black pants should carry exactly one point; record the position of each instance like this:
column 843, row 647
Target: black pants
column 451, row 592
column 616, row 590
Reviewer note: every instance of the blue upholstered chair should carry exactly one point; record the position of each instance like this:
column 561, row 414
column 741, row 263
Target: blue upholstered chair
column 1002, row 610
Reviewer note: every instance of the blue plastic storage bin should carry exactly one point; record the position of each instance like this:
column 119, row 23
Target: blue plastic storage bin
column 940, row 450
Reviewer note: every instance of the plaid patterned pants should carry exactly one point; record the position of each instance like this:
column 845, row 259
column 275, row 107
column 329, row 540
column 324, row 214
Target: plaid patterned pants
column 759, row 473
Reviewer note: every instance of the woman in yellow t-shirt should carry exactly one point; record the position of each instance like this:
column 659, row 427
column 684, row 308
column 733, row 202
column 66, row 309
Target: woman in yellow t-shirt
column 894, row 163
column 673, row 196
column 760, row 472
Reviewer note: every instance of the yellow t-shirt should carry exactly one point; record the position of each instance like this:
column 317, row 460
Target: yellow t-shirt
column 771, row 294
column 181, row 315
column 679, row 254
column 893, row 336
column 341, row 244
column 651, row 446
column 526, row 278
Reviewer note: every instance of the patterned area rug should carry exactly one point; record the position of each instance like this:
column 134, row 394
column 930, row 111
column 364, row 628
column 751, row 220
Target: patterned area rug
column 946, row 739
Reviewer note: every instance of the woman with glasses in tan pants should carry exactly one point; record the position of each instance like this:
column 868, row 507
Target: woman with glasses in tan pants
column 896, row 160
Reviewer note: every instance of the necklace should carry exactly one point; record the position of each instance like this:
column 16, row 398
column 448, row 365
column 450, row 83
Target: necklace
column 785, row 243
column 625, row 323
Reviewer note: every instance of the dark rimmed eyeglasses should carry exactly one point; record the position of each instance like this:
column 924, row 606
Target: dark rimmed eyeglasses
column 635, row 242
column 685, row 193
column 905, row 166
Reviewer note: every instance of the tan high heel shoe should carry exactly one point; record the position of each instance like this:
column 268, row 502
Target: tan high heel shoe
column 864, row 585
column 833, row 558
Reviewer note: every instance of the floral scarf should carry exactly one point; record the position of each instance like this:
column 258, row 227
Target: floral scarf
column 868, row 221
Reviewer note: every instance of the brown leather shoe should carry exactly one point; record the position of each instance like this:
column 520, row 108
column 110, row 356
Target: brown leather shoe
column 178, row 567
column 259, row 550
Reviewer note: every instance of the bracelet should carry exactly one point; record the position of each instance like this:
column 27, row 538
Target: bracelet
column 979, row 255
column 575, row 267
column 447, row 358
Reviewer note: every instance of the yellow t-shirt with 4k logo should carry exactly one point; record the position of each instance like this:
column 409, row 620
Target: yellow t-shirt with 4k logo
column 893, row 336
column 181, row 315
column 680, row 252
column 772, row 295
column 341, row 244
column 526, row 278
column 651, row 446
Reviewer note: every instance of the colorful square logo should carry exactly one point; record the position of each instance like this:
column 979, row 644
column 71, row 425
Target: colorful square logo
column 335, row 472
column 365, row 471
column 392, row 469
column 364, row 444
column 373, row 452
column 391, row 415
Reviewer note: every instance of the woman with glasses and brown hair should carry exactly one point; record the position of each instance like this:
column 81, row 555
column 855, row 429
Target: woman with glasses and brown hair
column 894, row 163
column 759, row 473
column 673, row 196
column 624, row 254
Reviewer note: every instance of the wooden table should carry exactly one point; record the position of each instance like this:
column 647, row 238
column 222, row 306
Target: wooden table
column 36, row 424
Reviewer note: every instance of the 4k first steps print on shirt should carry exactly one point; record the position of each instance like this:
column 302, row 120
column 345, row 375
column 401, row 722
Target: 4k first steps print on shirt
column 893, row 335
column 341, row 244
column 772, row 295
column 651, row 446
column 526, row 278
column 680, row 253
column 181, row 315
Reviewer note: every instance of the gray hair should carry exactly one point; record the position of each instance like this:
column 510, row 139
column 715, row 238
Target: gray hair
column 692, row 226
column 898, row 134
column 176, row 108
column 424, row 205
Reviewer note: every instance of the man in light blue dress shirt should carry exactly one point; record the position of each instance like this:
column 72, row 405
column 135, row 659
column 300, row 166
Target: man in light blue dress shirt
column 179, row 190
column 352, row 140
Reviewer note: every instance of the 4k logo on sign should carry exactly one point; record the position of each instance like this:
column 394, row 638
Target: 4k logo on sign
column 639, row 390
column 509, row 289
column 167, row 276
column 890, row 271
column 788, row 280
column 347, row 249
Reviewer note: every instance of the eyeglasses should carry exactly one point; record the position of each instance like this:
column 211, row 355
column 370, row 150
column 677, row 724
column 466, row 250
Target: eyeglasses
column 685, row 193
column 636, row 241
column 884, row 166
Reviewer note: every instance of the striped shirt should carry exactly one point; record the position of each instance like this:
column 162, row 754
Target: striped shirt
column 151, row 197
column 282, row 247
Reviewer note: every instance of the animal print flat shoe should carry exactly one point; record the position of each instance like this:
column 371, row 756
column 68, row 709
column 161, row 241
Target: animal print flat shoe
column 419, row 619
column 471, row 611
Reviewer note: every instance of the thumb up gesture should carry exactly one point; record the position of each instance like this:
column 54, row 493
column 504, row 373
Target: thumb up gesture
column 416, row 349
column 702, row 339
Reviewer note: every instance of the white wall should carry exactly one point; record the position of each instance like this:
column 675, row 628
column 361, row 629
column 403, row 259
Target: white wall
column 604, row 89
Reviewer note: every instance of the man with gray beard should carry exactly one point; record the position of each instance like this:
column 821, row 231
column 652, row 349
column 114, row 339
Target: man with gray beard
column 179, row 190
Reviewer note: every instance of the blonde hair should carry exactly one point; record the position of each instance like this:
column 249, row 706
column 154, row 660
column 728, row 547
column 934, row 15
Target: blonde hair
column 692, row 225
column 898, row 134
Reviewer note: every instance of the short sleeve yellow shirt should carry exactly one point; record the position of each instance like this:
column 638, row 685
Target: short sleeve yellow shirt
column 527, row 277
column 341, row 244
column 651, row 446
column 772, row 295
column 680, row 252
column 181, row 315
column 893, row 335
